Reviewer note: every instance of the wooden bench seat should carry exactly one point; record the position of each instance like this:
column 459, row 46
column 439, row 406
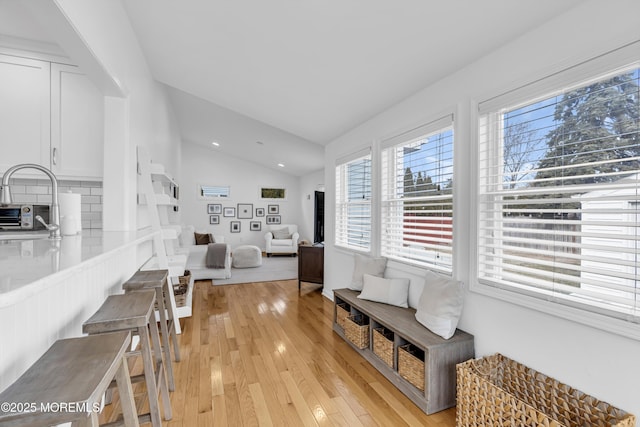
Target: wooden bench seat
column 440, row 356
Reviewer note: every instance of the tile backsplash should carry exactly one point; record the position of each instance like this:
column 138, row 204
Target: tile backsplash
column 39, row 191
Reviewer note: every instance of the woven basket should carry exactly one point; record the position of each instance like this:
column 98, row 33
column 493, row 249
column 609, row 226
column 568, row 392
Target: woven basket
column 184, row 280
column 356, row 329
column 180, row 290
column 342, row 312
column 496, row 390
column 410, row 365
column 180, row 294
column 383, row 345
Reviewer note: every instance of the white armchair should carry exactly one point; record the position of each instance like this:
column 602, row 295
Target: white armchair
column 282, row 239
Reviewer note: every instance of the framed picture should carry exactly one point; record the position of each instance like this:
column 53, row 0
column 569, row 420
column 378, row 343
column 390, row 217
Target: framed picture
column 259, row 211
column 214, row 208
column 273, row 193
column 245, row 211
column 229, row 212
column 255, row 225
column 273, row 209
column 273, row 219
column 214, row 219
column 235, row 226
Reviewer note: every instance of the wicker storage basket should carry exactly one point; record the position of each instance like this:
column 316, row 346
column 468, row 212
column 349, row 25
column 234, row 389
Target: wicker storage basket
column 411, row 365
column 356, row 329
column 180, row 290
column 342, row 312
column 184, row 280
column 495, row 390
column 383, row 345
column 180, row 294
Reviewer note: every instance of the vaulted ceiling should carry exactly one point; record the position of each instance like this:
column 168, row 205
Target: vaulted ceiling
column 294, row 75
column 316, row 69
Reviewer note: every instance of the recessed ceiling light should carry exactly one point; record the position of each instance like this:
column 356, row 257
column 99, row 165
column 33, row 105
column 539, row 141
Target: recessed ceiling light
column 215, row 143
column 281, row 165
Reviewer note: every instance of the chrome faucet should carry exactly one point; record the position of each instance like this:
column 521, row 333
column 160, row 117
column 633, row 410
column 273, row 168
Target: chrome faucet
column 5, row 199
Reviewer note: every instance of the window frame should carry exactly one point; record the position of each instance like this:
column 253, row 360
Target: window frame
column 388, row 174
column 577, row 76
column 203, row 196
column 342, row 206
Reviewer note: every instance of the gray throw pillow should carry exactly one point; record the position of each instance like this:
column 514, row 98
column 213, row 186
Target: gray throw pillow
column 366, row 265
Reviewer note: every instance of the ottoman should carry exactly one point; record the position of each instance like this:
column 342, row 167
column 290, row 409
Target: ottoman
column 246, row 256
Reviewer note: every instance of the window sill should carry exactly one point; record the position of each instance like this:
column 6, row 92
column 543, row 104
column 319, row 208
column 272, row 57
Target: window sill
column 594, row 320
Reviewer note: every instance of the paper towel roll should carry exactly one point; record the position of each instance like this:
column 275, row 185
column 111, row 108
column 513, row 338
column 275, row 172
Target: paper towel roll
column 70, row 208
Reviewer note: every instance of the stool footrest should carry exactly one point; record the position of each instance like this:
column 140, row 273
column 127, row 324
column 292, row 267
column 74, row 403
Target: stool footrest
column 133, row 353
column 135, row 379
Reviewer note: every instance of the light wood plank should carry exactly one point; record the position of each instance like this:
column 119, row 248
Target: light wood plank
column 262, row 408
column 305, row 412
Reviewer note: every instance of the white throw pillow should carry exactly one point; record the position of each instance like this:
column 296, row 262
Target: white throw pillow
column 366, row 265
column 281, row 234
column 187, row 236
column 440, row 304
column 388, row 291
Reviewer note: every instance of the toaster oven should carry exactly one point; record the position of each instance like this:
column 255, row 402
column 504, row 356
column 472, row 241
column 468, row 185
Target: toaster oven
column 18, row 217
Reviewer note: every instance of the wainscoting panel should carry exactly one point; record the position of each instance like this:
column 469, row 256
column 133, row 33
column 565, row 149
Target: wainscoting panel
column 29, row 327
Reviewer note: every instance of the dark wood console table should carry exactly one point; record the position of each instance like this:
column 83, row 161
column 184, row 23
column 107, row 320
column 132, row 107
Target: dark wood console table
column 310, row 264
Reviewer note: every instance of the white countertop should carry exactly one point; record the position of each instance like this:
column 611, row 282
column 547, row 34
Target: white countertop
column 28, row 264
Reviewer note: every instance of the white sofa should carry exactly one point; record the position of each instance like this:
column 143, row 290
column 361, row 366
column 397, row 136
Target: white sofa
column 197, row 254
column 282, row 246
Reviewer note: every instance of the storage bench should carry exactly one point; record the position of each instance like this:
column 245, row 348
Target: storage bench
column 423, row 364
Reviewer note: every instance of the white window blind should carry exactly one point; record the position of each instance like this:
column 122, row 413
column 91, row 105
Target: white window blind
column 558, row 196
column 417, row 196
column 353, row 202
column 213, row 191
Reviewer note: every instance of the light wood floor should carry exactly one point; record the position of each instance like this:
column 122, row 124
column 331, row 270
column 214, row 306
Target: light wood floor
column 262, row 354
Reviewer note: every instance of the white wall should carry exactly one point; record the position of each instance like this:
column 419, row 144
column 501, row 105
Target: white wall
column 596, row 362
column 203, row 165
column 142, row 117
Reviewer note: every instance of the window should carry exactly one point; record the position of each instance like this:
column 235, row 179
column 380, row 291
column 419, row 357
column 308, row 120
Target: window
column 273, row 193
column 213, row 191
column 559, row 193
column 353, row 202
column 417, row 196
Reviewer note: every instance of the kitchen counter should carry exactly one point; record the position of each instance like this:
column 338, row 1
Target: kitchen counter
column 48, row 288
column 29, row 264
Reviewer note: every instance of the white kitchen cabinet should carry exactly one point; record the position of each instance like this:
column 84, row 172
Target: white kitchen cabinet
column 52, row 115
column 24, row 111
column 77, row 124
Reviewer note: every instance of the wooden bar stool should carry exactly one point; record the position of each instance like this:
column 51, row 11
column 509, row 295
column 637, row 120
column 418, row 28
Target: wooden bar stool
column 158, row 281
column 135, row 311
column 67, row 383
